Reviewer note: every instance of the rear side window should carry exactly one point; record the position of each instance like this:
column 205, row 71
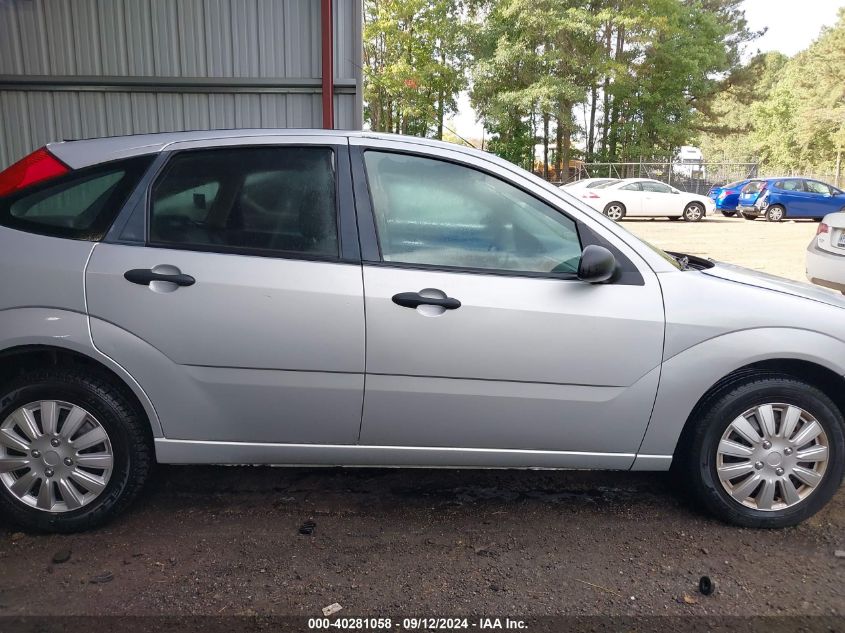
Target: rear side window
column 268, row 199
column 80, row 205
column 634, row 186
column 790, row 185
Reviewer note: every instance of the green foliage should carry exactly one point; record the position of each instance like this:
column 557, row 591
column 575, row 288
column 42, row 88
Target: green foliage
column 787, row 113
column 413, row 64
column 642, row 73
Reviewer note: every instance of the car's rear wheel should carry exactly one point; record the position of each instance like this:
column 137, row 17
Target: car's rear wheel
column 693, row 212
column 729, row 214
column 615, row 211
column 775, row 213
column 749, row 217
column 767, row 453
column 674, row 218
column 74, row 450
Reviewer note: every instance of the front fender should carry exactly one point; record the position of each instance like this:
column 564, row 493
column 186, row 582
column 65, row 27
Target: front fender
column 65, row 330
column 688, row 375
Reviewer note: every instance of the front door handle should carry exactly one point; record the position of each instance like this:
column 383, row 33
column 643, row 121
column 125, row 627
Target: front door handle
column 415, row 300
column 145, row 276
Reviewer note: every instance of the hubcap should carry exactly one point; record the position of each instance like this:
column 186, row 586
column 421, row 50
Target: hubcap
column 776, row 214
column 772, row 457
column 614, row 212
column 54, row 456
column 694, row 213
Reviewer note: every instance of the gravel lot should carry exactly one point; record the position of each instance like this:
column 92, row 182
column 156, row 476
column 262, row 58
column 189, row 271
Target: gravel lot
column 225, row 541
column 775, row 248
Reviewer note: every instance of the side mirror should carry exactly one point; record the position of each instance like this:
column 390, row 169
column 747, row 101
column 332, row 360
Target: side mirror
column 597, row 264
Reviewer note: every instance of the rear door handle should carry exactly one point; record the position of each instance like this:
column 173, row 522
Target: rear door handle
column 415, row 300
column 145, row 276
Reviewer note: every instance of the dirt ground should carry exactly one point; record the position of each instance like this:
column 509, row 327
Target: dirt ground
column 225, row 541
column 775, row 248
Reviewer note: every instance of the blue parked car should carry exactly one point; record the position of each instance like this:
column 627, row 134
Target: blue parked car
column 726, row 196
column 780, row 198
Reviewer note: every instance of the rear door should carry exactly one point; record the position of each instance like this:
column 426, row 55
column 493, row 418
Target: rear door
column 241, row 309
column 479, row 336
column 659, row 199
column 792, row 194
column 629, row 194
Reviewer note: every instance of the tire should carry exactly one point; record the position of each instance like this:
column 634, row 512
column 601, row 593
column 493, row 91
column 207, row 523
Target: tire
column 128, row 443
column 694, row 212
column 751, row 218
column 729, row 214
column 700, row 455
column 614, row 210
column 674, row 218
column 775, row 213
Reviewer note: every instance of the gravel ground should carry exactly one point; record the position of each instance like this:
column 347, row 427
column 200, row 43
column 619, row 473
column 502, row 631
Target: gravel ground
column 225, row 541
column 775, row 248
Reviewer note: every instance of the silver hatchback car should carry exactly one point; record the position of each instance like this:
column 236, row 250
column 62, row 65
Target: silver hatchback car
column 333, row 298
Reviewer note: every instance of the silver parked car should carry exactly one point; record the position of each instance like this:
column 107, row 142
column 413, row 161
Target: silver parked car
column 333, row 298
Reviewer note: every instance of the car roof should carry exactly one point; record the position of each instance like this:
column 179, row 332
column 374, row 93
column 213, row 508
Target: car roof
column 85, row 152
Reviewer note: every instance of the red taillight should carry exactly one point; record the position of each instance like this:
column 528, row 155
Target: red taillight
column 823, row 228
column 590, row 194
column 39, row 166
column 730, row 192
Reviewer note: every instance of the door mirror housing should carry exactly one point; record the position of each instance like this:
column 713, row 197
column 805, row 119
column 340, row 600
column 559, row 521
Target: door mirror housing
column 597, row 264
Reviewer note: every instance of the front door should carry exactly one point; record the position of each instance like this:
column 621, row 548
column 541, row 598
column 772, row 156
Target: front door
column 659, row 199
column 822, row 199
column 479, row 336
column 238, row 316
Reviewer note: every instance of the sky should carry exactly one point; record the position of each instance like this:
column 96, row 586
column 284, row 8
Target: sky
column 792, row 25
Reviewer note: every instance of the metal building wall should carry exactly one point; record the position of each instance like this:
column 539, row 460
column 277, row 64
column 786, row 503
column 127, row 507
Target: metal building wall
column 84, row 68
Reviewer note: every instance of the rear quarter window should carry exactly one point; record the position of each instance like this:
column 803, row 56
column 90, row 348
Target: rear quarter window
column 79, row 205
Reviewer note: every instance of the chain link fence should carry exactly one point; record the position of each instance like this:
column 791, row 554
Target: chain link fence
column 693, row 177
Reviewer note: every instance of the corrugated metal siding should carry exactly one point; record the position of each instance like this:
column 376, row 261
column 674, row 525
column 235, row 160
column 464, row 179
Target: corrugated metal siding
column 241, row 39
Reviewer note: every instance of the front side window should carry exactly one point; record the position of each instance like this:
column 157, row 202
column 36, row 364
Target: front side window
column 79, row 205
column 656, row 187
column 437, row 213
column 814, row 186
column 275, row 199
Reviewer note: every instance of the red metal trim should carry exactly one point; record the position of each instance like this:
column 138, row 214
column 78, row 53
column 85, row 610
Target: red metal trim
column 328, row 63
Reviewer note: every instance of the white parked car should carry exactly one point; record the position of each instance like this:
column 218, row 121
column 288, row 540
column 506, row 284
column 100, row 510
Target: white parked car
column 646, row 198
column 826, row 253
column 588, row 183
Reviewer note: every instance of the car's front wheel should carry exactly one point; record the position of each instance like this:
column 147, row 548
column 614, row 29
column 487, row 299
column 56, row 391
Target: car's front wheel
column 693, row 212
column 729, row 214
column 767, row 453
column 74, row 450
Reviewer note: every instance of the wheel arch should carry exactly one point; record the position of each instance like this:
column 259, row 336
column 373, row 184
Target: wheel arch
column 17, row 360
column 690, row 377
column 826, row 380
